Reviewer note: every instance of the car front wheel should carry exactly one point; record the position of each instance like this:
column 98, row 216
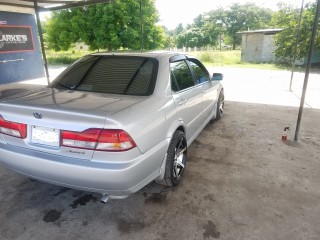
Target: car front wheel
column 220, row 106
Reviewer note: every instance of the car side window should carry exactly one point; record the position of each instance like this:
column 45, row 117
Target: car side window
column 181, row 77
column 201, row 75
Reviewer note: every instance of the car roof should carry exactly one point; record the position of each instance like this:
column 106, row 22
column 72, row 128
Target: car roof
column 154, row 54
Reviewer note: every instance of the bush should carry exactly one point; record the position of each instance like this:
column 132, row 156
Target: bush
column 220, row 57
column 205, row 57
column 64, row 57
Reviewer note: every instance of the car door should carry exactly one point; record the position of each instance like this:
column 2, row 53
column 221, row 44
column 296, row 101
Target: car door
column 187, row 97
column 209, row 88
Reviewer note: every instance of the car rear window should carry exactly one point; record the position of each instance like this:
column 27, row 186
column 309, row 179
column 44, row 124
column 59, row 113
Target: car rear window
column 125, row 75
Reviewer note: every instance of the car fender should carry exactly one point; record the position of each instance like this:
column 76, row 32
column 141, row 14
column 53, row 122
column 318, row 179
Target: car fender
column 176, row 124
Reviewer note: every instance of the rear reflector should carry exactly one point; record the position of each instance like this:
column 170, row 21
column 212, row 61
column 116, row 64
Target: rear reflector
column 98, row 139
column 13, row 129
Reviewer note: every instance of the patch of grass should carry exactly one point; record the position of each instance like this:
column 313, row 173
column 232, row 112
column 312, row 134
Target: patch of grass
column 233, row 59
column 64, row 57
column 267, row 66
column 209, row 58
column 220, row 58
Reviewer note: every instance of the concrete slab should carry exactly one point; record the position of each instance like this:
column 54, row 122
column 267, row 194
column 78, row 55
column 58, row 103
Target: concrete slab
column 269, row 86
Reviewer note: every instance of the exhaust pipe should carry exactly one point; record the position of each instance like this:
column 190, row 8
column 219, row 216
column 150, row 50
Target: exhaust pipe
column 104, row 198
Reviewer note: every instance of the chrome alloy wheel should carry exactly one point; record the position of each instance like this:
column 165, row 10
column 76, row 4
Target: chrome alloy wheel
column 221, row 106
column 180, row 158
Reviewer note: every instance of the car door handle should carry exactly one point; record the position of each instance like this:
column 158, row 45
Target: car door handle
column 182, row 101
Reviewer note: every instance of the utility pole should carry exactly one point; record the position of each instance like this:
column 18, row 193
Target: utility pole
column 306, row 78
column 141, row 29
column 44, row 56
column 296, row 46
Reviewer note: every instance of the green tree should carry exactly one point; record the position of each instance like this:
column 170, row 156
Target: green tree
column 106, row 26
column 59, row 34
column 245, row 17
column 179, row 29
column 181, row 40
column 192, row 37
column 197, row 34
column 287, row 18
column 213, row 27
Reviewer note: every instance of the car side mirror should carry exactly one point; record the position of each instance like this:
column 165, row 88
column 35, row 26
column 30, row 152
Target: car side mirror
column 217, row 77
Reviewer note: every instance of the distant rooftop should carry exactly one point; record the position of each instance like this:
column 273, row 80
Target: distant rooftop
column 263, row 31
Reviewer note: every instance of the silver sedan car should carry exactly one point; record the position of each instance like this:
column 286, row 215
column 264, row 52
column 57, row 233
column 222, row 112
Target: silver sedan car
column 111, row 123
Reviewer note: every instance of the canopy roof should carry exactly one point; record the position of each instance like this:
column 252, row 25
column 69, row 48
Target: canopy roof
column 49, row 5
column 262, row 31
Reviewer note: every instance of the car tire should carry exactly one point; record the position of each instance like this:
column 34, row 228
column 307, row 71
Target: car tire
column 220, row 106
column 176, row 160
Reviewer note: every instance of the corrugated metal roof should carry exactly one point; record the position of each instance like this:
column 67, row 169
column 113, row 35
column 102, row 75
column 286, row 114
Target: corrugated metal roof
column 263, row 31
column 49, row 5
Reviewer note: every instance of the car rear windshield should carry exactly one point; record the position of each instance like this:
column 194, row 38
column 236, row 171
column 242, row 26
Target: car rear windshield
column 125, row 75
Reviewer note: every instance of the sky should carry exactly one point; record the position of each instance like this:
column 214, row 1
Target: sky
column 173, row 12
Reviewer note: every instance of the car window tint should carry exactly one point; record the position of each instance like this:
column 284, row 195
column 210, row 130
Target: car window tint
column 201, row 75
column 112, row 74
column 174, row 84
column 180, row 73
column 72, row 75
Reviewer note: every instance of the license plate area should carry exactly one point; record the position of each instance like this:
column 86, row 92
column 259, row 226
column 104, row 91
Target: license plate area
column 45, row 136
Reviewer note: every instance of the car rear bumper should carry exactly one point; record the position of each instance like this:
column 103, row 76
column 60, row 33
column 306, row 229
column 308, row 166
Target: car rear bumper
column 113, row 178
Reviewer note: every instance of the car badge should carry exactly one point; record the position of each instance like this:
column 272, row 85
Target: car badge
column 37, row 115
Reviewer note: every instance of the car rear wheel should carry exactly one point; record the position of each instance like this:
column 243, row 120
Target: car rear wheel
column 176, row 160
column 220, row 106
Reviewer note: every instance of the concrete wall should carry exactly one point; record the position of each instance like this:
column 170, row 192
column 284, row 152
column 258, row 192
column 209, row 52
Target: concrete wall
column 20, row 64
column 257, row 48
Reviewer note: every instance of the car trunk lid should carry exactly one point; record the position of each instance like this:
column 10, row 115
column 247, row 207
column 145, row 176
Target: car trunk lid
column 48, row 111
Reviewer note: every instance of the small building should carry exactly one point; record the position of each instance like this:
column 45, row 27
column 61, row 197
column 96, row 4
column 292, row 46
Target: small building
column 258, row 45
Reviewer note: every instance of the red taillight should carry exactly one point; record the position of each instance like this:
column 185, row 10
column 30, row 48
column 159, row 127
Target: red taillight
column 13, row 129
column 98, row 139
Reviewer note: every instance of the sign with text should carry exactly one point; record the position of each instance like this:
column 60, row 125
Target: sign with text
column 16, row 39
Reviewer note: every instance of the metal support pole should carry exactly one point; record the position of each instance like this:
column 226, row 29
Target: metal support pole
column 306, row 78
column 141, row 29
column 296, row 46
column 36, row 8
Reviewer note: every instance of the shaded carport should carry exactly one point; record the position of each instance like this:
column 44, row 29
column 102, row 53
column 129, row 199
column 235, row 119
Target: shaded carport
column 59, row 209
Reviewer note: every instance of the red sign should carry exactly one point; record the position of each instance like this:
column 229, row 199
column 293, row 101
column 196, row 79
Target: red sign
column 16, row 39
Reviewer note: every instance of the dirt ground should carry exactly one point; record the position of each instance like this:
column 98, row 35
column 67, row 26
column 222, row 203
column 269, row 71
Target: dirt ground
column 241, row 182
